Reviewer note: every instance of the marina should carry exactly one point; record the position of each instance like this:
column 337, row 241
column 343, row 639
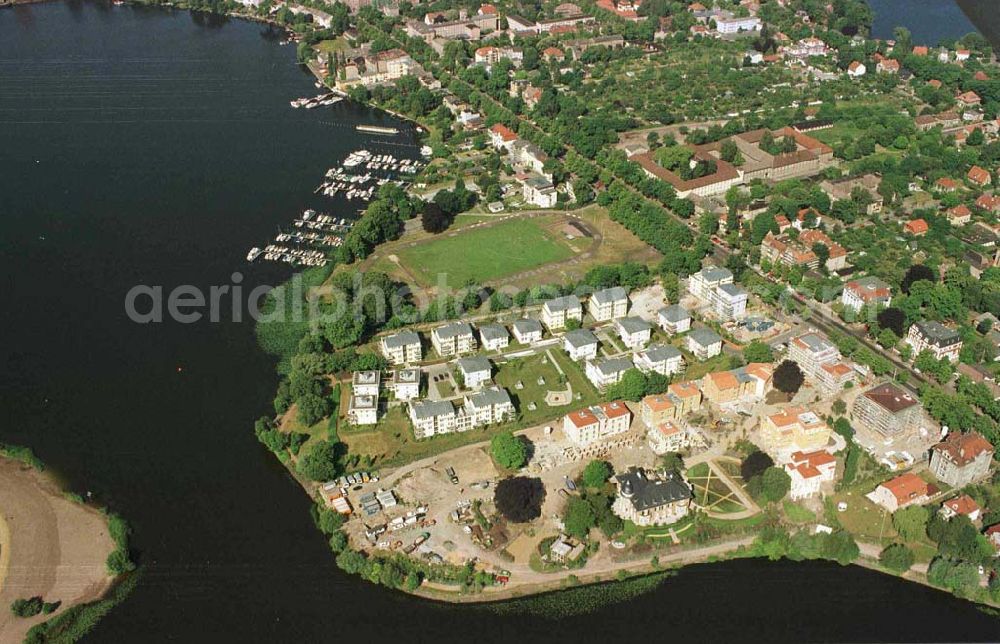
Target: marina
column 322, row 100
column 314, row 234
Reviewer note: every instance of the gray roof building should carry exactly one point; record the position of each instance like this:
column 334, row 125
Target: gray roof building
column 564, row 303
column 579, row 338
column 634, row 325
column 490, row 332
column 610, row 295
column 937, row 334
column 401, row 339
column 453, row 330
column 674, row 313
column 431, row 409
column 609, row 366
column 527, row 325
column 646, row 493
column 474, row 364
column 661, row 352
column 705, row 336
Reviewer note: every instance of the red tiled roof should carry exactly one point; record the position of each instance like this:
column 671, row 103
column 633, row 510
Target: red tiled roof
column 978, row 175
column 906, row 487
column 505, row 132
column 964, row 448
column 962, row 505
column 916, row 227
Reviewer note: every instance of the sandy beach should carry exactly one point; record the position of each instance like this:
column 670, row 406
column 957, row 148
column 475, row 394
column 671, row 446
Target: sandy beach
column 50, row 546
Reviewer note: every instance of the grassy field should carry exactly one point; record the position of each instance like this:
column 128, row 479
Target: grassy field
column 485, row 254
column 528, row 370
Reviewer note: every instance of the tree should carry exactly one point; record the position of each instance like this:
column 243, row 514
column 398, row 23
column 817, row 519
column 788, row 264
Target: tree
column 914, row 274
column 893, row 319
column 118, row 562
column 911, row 522
column 755, row 464
column 788, row 377
column 887, row 339
column 596, row 473
column 771, row 486
column 839, row 407
column 673, row 462
column 579, row 518
column 312, row 408
column 758, row 351
column 27, row 607
column 320, row 463
column 632, row 386
column 841, row 547
column 434, row 219
column 896, row 557
column 519, row 498
column 509, row 451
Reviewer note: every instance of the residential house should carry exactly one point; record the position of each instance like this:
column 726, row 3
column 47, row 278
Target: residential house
column 634, row 332
column 900, row 492
column 959, row 215
column 502, row 137
column 935, row 337
column 867, row 291
column 493, row 337
column 604, row 372
column 527, row 330
column 648, row 500
column 730, row 24
column 729, row 301
column 747, row 383
column 663, row 359
column 452, row 339
column 820, row 360
column 674, row 319
column 608, row 304
column 844, row 190
column 489, row 406
column 888, row 410
column 916, row 227
column 366, row 383
column 537, row 190
column 404, row 383
column 704, row 343
column 475, row 370
column 961, row 459
column 580, row 344
column 808, row 471
column 591, row 424
column 793, row 429
column 979, row 176
column 856, row 69
column 401, row 348
column 667, row 437
column 887, row 66
column 680, row 399
column 432, row 417
column 363, row 410
column 702, row 283
column 963, row 505
column 969, row 99
column 837, row 255
column 556, row 312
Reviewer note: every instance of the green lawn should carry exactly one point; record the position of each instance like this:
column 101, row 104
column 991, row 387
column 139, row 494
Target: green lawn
column 484, row 253
column 527, row 371
column 797, row 513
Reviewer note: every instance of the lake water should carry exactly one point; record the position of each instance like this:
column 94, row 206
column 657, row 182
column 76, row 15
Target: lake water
column 143, row 146
column 930, row 21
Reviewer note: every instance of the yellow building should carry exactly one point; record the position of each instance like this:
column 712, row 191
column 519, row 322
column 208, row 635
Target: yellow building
column 793, row 429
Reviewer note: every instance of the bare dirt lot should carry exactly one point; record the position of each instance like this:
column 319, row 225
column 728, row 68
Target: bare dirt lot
column 50, row 546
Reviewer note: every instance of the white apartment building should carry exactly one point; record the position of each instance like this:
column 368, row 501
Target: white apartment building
column 453, row 339
column 604, row 372
column 580, row 344
column 934, row 337
column 608, row 304
column 634, row 332
column 591, row 424
column 663, row 359
column 702, row 283
column 557, row 311
column 674, row 319
column 402, row 348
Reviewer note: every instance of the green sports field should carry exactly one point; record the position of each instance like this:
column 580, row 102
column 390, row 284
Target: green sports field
column 484, row 254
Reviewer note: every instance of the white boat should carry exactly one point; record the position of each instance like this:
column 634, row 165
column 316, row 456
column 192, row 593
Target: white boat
column 253, row 254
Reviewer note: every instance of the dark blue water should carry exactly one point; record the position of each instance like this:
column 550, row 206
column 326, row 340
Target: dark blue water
column 930, row 21
column 151, row 146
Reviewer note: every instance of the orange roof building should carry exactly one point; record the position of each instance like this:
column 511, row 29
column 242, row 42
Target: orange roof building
column 979, row 176
column 902, row 491
column 916, row 227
